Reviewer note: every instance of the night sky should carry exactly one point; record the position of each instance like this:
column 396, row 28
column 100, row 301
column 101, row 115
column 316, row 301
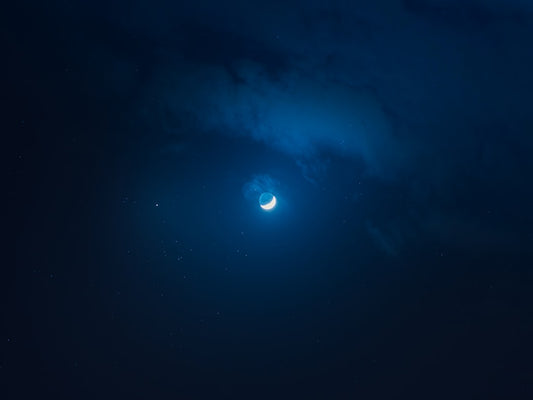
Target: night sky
column 396, row 136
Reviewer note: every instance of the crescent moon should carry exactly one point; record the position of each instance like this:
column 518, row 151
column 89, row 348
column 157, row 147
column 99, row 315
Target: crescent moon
column 270, row 205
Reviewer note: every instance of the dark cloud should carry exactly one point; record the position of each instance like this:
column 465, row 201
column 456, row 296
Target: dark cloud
column 426, row 93
column 392, row 96
column 433, row 95
column 298, row 114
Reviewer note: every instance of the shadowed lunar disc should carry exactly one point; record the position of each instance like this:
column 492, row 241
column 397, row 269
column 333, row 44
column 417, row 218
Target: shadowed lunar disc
column 267, row 201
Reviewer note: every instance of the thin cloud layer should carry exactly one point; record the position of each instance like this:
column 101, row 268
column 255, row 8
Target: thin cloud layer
column 432, row 95
column 297, row 114
column 380, row 87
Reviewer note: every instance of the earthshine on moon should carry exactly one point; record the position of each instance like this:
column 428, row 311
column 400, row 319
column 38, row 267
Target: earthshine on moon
column 267, row 201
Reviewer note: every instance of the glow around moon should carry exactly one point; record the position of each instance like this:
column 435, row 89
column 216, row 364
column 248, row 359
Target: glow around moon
column 267, row 201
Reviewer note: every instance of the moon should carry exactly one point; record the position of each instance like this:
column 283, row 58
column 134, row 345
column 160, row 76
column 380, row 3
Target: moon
column 267, row 201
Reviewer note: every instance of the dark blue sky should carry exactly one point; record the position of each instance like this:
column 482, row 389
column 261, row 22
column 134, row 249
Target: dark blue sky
column 396, row 136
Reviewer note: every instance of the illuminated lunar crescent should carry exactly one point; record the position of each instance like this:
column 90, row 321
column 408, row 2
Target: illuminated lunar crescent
column 267, row 201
